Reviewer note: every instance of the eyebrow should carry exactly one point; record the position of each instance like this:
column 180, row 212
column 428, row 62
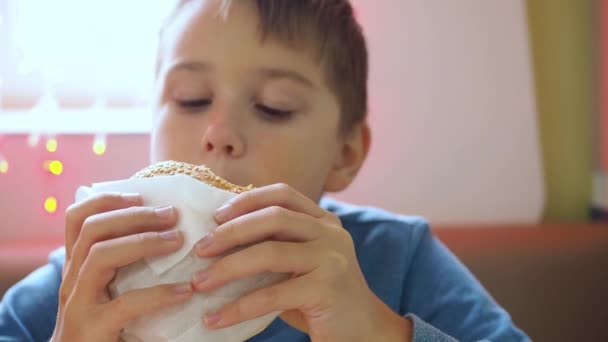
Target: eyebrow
column 270, row 73
column 287, row 74
column 191, row 66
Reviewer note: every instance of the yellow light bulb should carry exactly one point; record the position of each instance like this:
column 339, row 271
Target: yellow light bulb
column 56, row 167
column 3, row 166
column 50, row 205
column 51, row 145
column 99, row 147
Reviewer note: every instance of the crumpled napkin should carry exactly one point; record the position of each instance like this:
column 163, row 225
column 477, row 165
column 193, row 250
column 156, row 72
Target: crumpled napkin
column 196, row 202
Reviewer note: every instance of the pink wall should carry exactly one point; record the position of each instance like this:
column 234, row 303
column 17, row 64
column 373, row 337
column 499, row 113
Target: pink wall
column 27, row 184
column 452, row 111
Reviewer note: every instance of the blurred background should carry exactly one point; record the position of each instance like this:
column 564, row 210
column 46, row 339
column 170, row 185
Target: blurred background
column 489, row 117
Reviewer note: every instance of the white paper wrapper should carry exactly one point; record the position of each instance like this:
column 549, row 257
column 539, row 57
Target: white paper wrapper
column 196, row 202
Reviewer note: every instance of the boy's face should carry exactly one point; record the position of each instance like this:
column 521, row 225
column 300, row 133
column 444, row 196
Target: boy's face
column 255, row 114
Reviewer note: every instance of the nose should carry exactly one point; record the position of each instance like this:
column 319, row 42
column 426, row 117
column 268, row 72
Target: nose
column 222, row 138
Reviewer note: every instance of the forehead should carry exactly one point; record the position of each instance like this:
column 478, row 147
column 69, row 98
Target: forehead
column 209, row 32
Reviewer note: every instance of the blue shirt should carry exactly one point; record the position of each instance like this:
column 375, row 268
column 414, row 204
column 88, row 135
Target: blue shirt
column 403, row 263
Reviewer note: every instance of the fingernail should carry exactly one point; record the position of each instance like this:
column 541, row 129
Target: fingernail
column 204, row 242
column 212, row 319
column 223, row 212
column 182, row 289
column 164, row 212
column 131, row 197
column 170, row 235
column 200, row 276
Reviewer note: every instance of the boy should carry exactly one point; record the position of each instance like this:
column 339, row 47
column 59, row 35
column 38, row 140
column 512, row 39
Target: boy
column 270, row 93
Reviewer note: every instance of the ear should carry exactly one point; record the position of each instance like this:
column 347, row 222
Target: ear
column 349, row 158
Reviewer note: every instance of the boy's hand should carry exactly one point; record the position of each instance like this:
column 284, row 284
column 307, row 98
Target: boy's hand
column 104, row 233
column 327, row 295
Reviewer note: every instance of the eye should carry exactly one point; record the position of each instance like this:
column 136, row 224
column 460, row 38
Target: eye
column 193, row 104
column 274, row 113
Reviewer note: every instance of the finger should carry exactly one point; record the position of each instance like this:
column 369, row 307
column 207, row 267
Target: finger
column 113, row 224
column 121, row 222
column 107, row 256
column 269, row 256
column 276, row 223
column 136, row 303
column 272, row 195
column 288, row 295
column 77, row 213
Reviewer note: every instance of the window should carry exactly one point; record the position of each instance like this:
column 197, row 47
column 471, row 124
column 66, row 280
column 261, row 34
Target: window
column 69, row 66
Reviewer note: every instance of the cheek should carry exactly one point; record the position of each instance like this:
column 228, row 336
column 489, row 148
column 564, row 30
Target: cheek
column 158, row 147
column 170, row 138
column 302, row 163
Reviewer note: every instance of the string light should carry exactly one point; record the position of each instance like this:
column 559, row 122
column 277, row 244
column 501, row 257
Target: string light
column 99, row 146
column 53, row 166
column 50, row 205
column 56, row 167
column 51, row 145
column 3, row 166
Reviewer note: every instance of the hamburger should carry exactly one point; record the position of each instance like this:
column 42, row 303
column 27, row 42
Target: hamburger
column 200, row 172
column 196, row 192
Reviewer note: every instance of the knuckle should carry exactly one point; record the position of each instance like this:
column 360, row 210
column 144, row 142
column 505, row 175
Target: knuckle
column 278, row 214
column 284, row 188
column 104, row 201
column 89, row 222
column 139, row 211
column 98, row 203
column 142, row 214
column 98, row 263
column 337, row 264
column 227, row 231
column 245, row 197
column 64, row 294
column 72, row 214
column 286, row 191
column 343, row 237
column 233, row 235
column 147, row 238
column 95, row 253
column 148, row 212
column 86, row 237
column 333, row 218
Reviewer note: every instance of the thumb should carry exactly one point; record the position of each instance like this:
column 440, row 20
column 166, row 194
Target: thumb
column 295, row 319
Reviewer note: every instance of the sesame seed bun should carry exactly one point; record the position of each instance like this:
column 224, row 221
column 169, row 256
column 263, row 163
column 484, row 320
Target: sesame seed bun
column 200, row 172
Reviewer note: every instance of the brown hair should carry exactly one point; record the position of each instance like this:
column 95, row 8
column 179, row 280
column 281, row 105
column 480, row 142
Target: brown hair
column 331, row 28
